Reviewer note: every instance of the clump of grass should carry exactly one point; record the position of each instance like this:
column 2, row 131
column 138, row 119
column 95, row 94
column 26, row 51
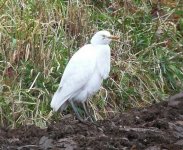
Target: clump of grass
column 38, row 38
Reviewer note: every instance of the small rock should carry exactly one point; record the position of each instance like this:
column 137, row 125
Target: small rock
column 45, row 143
column 13, row 140
column 173, row 103
column 180, row 122
column 175, row 100
column 67, row 144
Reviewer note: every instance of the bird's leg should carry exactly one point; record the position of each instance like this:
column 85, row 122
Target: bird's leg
column 87, row 113
column 76, row 111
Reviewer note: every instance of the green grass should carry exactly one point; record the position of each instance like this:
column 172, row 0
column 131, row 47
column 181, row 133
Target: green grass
column 38, row 38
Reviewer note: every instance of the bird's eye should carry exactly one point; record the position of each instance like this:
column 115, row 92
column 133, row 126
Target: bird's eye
column 103, row 36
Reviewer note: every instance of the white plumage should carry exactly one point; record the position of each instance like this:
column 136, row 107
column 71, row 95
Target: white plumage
column 85, row 72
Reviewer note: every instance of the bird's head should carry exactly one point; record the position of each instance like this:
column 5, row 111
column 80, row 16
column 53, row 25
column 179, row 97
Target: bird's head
column 103, row 37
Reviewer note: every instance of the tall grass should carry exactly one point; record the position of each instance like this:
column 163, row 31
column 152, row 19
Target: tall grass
column 37, row 38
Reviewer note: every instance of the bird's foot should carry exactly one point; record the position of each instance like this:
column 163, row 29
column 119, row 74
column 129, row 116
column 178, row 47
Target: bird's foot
column 87, row 122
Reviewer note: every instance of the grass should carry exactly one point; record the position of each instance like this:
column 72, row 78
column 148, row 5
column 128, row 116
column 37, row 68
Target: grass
column 38, row 38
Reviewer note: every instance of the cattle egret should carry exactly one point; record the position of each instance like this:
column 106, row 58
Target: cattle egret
column 84, row 73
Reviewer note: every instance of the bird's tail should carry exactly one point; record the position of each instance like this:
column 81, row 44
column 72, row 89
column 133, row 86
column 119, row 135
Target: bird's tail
column 59, row 100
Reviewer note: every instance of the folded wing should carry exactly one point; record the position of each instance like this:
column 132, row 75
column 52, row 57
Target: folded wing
column 77, row 73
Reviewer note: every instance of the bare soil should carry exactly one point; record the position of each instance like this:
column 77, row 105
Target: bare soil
column 157, row 127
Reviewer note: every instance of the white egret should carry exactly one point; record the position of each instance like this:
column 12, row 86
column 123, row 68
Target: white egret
column 84, row 73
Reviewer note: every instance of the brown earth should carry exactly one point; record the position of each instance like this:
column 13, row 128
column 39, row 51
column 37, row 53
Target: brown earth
column 158, row 127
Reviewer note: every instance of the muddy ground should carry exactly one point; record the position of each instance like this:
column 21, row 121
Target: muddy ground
column 158, row 127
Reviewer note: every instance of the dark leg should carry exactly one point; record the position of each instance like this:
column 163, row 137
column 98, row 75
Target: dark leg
column 76, row 111
column 87, row 113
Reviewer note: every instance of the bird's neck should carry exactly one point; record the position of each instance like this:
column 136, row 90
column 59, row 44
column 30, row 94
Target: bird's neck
column 100, row 46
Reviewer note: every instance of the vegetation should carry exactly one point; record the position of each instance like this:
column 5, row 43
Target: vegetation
column 37, row 39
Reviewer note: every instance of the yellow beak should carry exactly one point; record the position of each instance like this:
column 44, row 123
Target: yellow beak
column 113, row 37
